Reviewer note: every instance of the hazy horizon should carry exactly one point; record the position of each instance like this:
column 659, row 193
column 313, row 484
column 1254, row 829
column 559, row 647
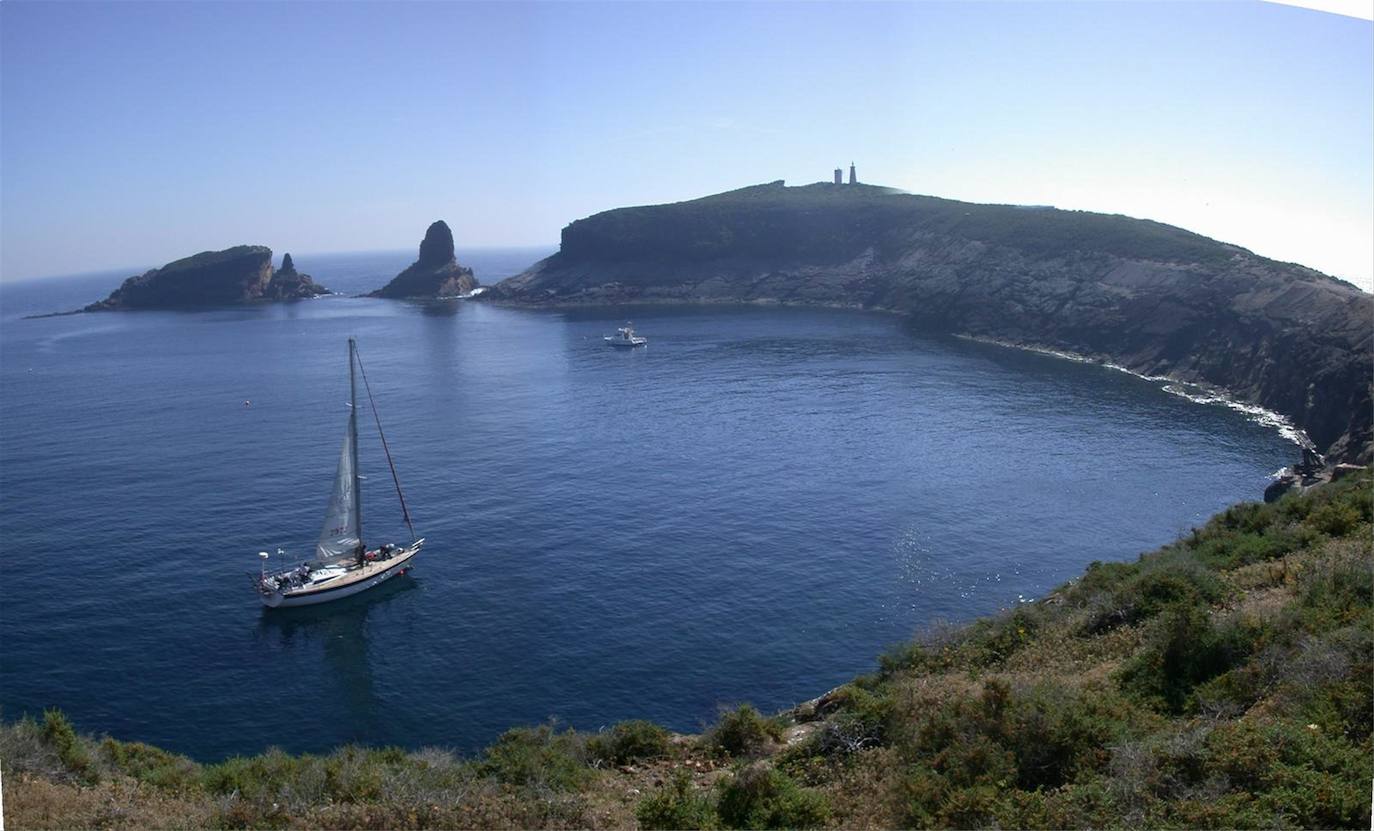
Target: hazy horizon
column 300, row 258
column 146, row 132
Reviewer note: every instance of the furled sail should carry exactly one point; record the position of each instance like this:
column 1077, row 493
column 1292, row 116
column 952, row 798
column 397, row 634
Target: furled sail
column 341, row 536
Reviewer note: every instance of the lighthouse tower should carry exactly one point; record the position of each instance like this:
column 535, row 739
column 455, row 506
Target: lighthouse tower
column 853, row 179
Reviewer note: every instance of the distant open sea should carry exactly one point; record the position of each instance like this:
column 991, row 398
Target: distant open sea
column 749, row 509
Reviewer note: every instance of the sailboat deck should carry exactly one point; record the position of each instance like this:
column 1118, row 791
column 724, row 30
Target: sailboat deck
column 366, row 571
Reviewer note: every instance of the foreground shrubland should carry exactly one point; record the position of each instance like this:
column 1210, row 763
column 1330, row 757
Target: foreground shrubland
column 1224, row 681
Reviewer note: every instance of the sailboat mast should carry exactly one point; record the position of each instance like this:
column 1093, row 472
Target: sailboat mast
column 353, row 443
column 372, row 402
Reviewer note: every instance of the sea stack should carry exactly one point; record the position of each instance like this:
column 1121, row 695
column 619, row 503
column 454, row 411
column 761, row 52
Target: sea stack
column 435, row 274
column 232, row 277
column 289, row 284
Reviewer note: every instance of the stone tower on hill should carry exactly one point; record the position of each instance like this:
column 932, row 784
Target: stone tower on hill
column 839, row 176
column 853, row 179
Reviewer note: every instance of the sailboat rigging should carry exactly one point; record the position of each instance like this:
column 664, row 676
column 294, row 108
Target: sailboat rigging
column 343, row 565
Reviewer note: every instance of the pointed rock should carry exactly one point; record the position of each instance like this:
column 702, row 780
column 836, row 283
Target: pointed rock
column 435, row 273
column 289, row 284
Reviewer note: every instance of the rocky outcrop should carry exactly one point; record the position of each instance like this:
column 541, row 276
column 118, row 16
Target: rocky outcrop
column 1155, row 299
column 289, row 284
column 234, row 276
column 435, row 274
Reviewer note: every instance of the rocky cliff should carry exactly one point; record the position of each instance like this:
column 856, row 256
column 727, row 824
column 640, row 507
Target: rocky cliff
column 1153, row 298
column 234, row 276
column 435, row 273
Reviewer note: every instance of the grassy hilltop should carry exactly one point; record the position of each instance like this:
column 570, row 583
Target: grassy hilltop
column 1223, row 681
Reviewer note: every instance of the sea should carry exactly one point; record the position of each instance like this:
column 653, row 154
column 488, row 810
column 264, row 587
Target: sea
column 750, row 509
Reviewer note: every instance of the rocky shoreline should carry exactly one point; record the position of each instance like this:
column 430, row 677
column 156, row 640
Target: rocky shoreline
column 1151, row 299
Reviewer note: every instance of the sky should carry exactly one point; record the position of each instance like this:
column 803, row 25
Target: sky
column 132, row 134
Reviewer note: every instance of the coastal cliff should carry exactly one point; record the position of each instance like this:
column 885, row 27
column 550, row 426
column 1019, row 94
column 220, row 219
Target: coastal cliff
column 234, row 276
column 1152, row 298
column 435, row 273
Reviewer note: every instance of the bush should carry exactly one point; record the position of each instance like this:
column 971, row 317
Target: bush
column 354, row 774
column 629, row 741
column 151, row 765
column 761, row 797
column 539, row 756
column 1335, row 594
column 676, row 805
column 992, row 642
column 1159, row 584
column 58, row 733
column 1185, row 651
column 269, row 777
column 743, row 732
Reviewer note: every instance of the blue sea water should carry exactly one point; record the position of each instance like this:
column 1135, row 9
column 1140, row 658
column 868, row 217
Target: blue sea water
column 750, row 508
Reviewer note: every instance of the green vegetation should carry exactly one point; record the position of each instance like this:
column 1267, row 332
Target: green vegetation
column 743, row 732
column 1223, row 681
column 629, row 742
column 824, row 223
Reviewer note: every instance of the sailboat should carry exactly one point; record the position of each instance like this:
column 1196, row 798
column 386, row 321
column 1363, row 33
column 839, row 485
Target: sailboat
column 343, row 565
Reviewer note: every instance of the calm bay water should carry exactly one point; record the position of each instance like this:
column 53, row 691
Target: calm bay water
column 751, row 508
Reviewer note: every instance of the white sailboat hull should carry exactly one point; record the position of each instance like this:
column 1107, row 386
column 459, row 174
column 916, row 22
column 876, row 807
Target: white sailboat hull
column 347, row 585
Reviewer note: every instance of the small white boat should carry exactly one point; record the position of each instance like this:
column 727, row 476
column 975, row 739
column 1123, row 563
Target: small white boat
column 342, row 565
column 625, row 338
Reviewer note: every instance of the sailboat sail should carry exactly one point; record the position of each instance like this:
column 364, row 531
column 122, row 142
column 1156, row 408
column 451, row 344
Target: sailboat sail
column 340, row 536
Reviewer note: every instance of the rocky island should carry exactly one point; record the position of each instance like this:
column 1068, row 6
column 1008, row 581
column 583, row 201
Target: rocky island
column 289, row 284
column 232, row 277
column 436, row 273
column 1152, row 298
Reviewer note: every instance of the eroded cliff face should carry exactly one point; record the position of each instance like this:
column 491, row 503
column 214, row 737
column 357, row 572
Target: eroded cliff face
column 234, row 276
column 1152, row 298
column 436, row 273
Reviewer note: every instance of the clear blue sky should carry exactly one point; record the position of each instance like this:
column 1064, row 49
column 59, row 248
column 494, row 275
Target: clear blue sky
column 133, row 134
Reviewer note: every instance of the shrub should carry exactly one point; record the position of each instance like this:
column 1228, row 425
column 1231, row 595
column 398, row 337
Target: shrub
column 1337, row 593
column 862, row 721
column 1056, row 733
column 743, row 732
column 1158, row 585
column 539, row 756
column 1185, row 651
column 676, row 805
column 761, row 797
column 992, row 642
column 1316, row 780
column 354, row 774
column 58, row 733
column 151, row 765
column 269, row 777
column 629, row 741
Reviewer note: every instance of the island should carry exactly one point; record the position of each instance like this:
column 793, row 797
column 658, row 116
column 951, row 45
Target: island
column 232, row 277
column 436, row 273
column 1151, row 298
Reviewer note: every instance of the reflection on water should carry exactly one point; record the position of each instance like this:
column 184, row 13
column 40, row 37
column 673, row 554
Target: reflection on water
column 339, row 629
